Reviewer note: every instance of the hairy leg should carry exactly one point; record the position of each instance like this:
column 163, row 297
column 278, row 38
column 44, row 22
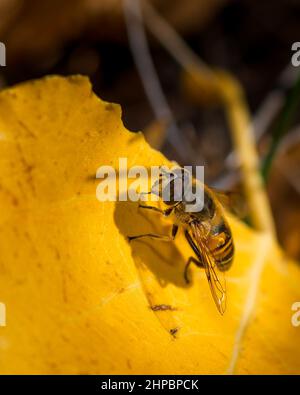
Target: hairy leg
column 155, row 236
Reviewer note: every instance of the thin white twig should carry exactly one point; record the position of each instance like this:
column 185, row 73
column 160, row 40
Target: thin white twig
column 251, row 298
column 171, row 40
column 186, row 57
column 143, row 60
column 270, row 107
column 292, row 138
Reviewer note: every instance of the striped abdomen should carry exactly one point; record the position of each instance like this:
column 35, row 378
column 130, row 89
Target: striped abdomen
column 221, row 245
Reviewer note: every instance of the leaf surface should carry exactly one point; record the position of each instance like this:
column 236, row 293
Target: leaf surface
column 78, row 296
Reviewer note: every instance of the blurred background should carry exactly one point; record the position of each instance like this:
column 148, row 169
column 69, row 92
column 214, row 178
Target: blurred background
column 135, row 52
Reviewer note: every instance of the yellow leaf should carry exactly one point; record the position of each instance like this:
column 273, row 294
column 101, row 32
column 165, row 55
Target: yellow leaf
column 78, row 296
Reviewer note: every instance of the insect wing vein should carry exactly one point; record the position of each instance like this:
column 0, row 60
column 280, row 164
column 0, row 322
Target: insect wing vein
column 218, row 291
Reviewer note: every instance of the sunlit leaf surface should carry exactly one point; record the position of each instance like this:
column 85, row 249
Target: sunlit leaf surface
column 79, row 296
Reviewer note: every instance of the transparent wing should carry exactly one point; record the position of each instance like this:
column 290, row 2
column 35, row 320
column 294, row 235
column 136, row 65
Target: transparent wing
column 232, row 201
column 215, row 278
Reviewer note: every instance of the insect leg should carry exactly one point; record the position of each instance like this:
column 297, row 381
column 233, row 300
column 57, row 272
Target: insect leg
column 151, row 208
column 198, row 261
column 190, row 260
column 192, row 244
column 166, row 212
column 154, row 236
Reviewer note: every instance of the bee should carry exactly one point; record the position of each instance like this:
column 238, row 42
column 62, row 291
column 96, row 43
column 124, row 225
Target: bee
column 206, row 231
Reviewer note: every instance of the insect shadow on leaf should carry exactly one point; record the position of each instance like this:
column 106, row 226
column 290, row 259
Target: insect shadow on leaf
column 163, row 259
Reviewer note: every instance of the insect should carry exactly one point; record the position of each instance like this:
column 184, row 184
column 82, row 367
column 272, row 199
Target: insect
column 206, row 231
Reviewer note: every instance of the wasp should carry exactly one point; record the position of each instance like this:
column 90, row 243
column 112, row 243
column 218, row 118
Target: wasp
column 207, row 231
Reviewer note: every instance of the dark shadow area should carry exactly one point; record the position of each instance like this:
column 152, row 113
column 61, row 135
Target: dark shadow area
column 160, row 257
